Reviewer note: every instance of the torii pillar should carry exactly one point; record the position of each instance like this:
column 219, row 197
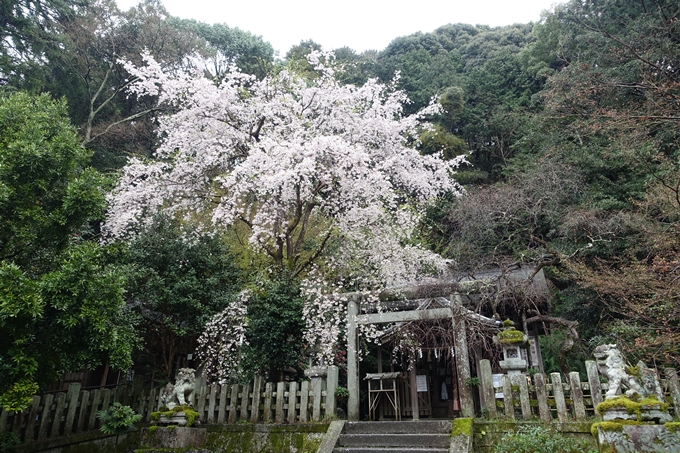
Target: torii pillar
column 352, row 362
column 467, row 402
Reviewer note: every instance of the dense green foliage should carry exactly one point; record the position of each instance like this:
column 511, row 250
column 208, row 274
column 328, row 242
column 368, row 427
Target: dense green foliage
column 174, row 287
column 274, row 327
column 60, row 303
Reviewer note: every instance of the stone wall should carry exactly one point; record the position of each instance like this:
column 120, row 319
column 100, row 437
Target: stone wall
column 487, row 434
column 241, row 438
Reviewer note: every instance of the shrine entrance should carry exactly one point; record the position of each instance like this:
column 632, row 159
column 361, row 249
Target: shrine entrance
column 418, row 382
column 412, row 307
column 433, row 384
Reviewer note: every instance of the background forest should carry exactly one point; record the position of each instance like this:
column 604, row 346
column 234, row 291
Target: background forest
column 570, row 127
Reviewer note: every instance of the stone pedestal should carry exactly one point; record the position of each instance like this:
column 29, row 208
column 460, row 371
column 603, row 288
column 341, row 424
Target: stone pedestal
column 622, row 438
column 176, row 419
column 316, row 374
column 651, row 414
column 175, row 437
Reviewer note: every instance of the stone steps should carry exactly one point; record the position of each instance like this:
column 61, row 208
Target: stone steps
column 390, row 450
column 430, row 436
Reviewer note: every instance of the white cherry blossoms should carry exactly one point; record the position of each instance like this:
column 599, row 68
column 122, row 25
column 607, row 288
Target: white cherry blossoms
column 302, row 164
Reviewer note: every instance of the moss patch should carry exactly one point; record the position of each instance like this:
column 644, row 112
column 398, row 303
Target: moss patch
column 190, row 413
column 630, row 406
column 611, row 426
column 461, row 426
column 511, row 336
column 673, row 427
column 634, row 371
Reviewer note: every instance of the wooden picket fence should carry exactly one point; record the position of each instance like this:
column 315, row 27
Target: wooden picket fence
column 534, row 397
column 74, row 411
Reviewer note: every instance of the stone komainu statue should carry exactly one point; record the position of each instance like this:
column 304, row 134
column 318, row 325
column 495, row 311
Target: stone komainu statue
column 182, row 392
column 643, row 382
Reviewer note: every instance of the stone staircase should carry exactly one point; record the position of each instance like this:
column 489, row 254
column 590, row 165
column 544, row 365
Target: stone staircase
column 427, row 436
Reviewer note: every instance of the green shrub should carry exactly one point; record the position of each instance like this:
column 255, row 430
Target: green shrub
column 118, row 419
column 540, row 439
column 341, row 392
column 8, row 440
column 472, row 382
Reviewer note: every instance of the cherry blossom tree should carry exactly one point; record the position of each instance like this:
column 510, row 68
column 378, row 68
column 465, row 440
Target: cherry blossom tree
column 314, row 170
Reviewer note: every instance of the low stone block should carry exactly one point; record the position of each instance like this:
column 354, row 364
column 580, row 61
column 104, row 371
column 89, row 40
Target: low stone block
column 637, row 438
column 174, row 437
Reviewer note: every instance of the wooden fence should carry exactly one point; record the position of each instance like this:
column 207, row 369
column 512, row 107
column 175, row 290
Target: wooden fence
column 525, row 397
column 75, row 410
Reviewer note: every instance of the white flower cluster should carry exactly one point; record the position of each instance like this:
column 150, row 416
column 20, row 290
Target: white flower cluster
column 220, row 345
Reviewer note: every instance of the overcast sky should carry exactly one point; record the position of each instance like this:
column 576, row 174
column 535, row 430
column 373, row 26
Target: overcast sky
column 359, row 24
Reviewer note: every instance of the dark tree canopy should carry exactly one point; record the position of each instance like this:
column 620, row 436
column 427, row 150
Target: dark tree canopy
column 60, row 303
column 175, row 285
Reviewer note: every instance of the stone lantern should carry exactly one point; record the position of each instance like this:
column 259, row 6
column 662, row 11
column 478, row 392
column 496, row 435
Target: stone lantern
column 512, row 340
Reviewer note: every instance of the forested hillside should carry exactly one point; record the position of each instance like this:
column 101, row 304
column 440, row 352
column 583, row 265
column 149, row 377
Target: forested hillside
column 244, row 189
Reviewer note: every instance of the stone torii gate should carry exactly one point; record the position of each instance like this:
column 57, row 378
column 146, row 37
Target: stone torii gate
column 458, row 314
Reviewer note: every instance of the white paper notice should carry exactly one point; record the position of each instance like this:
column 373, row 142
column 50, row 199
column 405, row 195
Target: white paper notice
column 421, row 382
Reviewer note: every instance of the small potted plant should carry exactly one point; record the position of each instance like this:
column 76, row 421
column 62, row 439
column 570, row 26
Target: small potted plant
column 341, row 394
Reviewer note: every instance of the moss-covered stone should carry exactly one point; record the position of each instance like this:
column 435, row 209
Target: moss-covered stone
column 461, row 426
column 605, row 426
column 270, row 438
column 673, row 427
column 511, row 336
column 630, row 406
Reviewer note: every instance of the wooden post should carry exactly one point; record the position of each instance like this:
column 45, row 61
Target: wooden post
column 233, row 403
column 488, row 393
column 58, row 411
column 594, row 383
column 29, row 435
column 105, row 376
column 292, row 401
column 137, row 387
column 304, row 401
column 352, row 363
column 222, row 407
column 674, row 389
column 520, row 380
column 72, row 398
column 106, row 399
column 201, row 392
column 331, row 385
column 467, row 402
column 152, row 404
column 577, row 395
column 280, row 390
column 507, row 397
column 3, row 420
column 558, row 393
column 245, row 396
column 267, row 415
column 257, row 394
column 84, row 400
column 212, row 401
column 415, row 406
column 316, row 398
column 92, row 419
column 542, row 397
column 45, row 416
